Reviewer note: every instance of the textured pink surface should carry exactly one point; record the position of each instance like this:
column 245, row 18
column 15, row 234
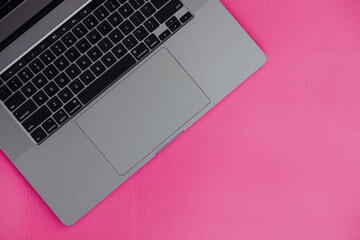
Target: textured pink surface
column 279, row 158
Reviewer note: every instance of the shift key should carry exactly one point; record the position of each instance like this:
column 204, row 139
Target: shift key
column 159, row 3
column 168, row 10
column 25, row 110
column 36, row 119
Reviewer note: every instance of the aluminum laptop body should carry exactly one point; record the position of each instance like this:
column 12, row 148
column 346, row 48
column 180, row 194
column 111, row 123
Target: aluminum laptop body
column 92, row 142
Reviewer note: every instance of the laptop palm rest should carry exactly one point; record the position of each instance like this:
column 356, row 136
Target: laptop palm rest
column 143, row 112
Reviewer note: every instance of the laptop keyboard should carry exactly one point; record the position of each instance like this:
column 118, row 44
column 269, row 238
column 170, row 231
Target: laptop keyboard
column 83, row 58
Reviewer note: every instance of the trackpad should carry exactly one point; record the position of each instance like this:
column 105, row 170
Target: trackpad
column 143, row 111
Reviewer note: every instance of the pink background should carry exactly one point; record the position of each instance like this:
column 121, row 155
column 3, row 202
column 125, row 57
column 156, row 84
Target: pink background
column 281, row 152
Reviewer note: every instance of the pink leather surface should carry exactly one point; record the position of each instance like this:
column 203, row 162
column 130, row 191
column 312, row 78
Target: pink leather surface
column 279, row 158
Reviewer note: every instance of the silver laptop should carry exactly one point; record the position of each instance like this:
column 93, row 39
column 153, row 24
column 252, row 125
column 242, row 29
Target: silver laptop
column 92, row 90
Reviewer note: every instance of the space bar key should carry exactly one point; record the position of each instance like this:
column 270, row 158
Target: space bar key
column 107, row 79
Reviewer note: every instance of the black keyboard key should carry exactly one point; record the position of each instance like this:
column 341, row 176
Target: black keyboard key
column 74, row 20
column 94, row 36
column 130, row 42
column 73, row 71
column 20, row 64
column 136, row 3
column 61, row 117
column 36, row 119
column 137, row 18
column 119, row 51
column 87, row 77
column 171, row 21
column 94, row 53
column 50, row 72
column 84, row 62
column 140, row 51
column 39, row 81
column 25, row 110
column 116, row 36
column 28, row 90
column 168, row 10
column 105, row 45
column 186, row 17
column 126, row 27
column 108, row 59
column 15, row 101
column 104, row 28
column 38, row 135
column 115, row 19
column 164, row 35
column 49, row 126
column 101, row 13
column 61, row 63
column 96, row 3
column 98, row 68
column 13, row 69
column 107, row 79
column 47, row 57
column 175, row 26
column 70, row 24
column 83, row 45
column 36, row 66
column 140, row 33
column 37, row 50
column 148, row 10
column 42, row 46
column 4, row 93
column 151, row 24
column 159, row 3
column 85, row 11
column 125, row 10
column 55, row 36
column 51, row 89
column 25, row 75
column 62, row 80
column 76, row 86
column 152, row 41
column 14, row 84
column 54, row 104
column 80, row 30
column 40, row 98
column 8, row 74
column 73, row 107
column 64, row 29
column 69, row 39
column 111, row 5
column 58, row 48
column 72, row 54
column 90, row 22
column 65, row 95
